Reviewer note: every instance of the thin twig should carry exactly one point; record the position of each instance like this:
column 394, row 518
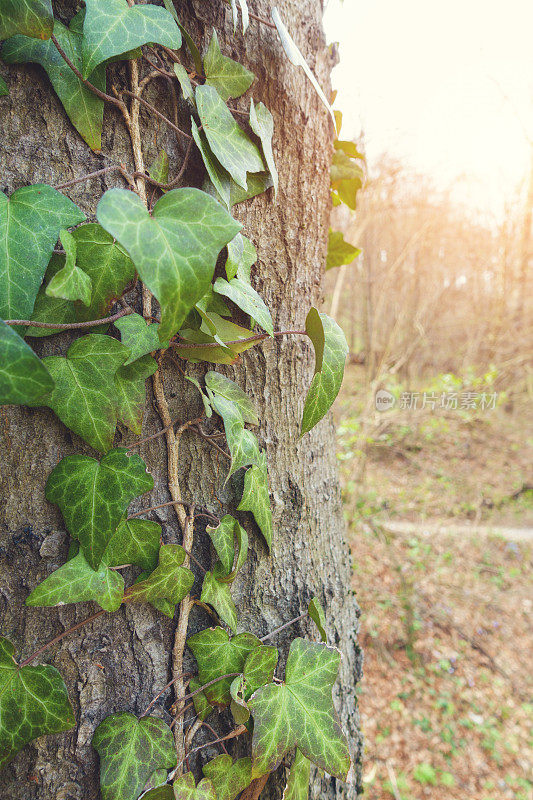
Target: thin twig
column 282, row 627
column 154, row 110
column 200, row 432
column 262, row 20
column 231, row 735
column 159, row 433
column 256, row 338
column 102, row 95
column 114, row 168
column 155, row 508
column 65, row 326
column 163, row 690
column 60, row 636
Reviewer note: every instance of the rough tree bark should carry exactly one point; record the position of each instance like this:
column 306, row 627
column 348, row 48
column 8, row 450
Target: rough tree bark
column 122, row 660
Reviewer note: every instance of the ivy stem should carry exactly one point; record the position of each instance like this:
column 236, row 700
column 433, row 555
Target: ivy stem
column 66, row 326
column 262, row 20
column 159, row 433
column 206, row 686
column 180, row 639
column 282, row 627
column 200, row 432
column 153, row 109
column 59, row 637
column 163, row 690
column 102, row 95
column 231, row 735
column 114, row 168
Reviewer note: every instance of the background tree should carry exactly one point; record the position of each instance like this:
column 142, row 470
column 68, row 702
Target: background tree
column 122, row 664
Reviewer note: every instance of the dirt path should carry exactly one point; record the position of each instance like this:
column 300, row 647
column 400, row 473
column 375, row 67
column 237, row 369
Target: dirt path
column 431, row 527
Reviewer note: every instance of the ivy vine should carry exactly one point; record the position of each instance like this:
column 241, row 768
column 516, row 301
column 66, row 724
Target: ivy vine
column 60, row 272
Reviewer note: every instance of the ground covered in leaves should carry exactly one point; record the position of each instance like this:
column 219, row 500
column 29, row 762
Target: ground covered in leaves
column 446, row 629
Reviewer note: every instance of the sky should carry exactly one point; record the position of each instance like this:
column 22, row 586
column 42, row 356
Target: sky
column 445, row 86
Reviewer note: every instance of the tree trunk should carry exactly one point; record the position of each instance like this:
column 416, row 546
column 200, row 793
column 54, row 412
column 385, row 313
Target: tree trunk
column 121, row 661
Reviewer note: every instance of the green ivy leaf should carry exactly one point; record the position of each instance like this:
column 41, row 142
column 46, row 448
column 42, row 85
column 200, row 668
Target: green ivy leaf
column 85, row 398
column 238, row 706
column 159, row 169
column 295, row 57
column 242, row 255
column 93, row 496
column 242, row 443
column 229, row 778
column 259, row 668
column 228, row 77
column 246, row 298
column 223, row 539
column 258, row 183
column 164, row 792
column 185, row 788
column 340, row 252
column 300, row 712
column 30, row 17
column 139, row 337
column 344, row 168
column 185, row 82
column 231, row 146
column 112, row 28
column 217, row 593
column 169, row 580
column 316, row 612
column 51, row 309
column 130, row 386
column 33, row 702
column 208, row 349
column 225, row 387
column 70, row 282
column 130, row 750
column 84, row 109
column 23, row 377
column 3, row 87
column 331, row 350
column 297, row 787
column 262, row 124
column 350, row 148
column 202, row 705
column 135, row 541
column 256, row 499
column 216, row 655
column 77, row 582
column 175, row 249
column 218, row 175
column 30, row 221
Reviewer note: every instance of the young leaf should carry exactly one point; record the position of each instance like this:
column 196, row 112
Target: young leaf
column 30, row 221
column 139, row 337
column 135, row 541
column 238, row 706
column 297, row 787
column 258, row 183
column 130, row 386
column 77, row 582
column 51, row 309
column 175, row 249
column 23, row 377
column 339, row 251
column 295, row 57
column 231, row 146
column 216, row 172
column 331, row 350
column 242, row 255
column 112, row 28
column 30, row 17
column 70, row 282
column 93, row 496
column 259, row 669
column 262, row 124
column 225, row 387
column 169, row 580
column 207, row 347
column 185, row 788
column 350, row 148
column 223, row 538
column 229, row 778
column 246, row 298
column 185, row 82
column 33, row 702
column 84, row 109
column 242, row 443
column 85, row 398
column 159, row 169
column 316, row 612
column 216, row 655
column 300, row 712
column 256, row 499
column 130, row 750
column 217, row 593
column 229, row 78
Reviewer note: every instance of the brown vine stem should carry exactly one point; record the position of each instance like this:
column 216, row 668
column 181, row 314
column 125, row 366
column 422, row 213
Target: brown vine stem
column 59, row 637
column 66, row 326
column 258, row 337
column 262, row 20
column 102, row 95
column 114, row 168
column 253, row 791
column 153, row 109
column 163, row 690
column 231, row 735
column 282, row 627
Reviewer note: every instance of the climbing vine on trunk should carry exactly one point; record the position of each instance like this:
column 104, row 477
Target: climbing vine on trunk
column 59, row 272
